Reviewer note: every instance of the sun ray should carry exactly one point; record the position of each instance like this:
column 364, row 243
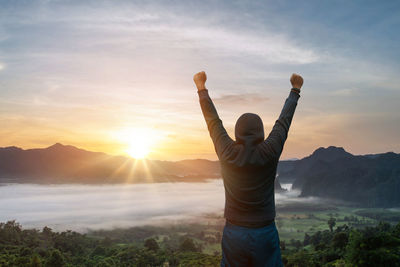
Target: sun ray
column 131, row 174
column 148, row 173
column 139, row 143
column 120, row 168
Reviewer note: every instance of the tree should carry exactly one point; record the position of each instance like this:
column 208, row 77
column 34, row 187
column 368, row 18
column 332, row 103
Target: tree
column 307, row 239
column 151, row 244
column 188, row 245
column 282, row 244
column 11, row 233
column 56, row 259
column 331, row 223
column 35, row 261
column 301, row 258
column 340, row 240
column 373, row 247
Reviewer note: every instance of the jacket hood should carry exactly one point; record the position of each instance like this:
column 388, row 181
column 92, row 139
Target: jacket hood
column 249, row 129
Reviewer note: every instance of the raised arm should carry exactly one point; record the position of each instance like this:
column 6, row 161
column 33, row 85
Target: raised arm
column 276, row 139
column 217, row 131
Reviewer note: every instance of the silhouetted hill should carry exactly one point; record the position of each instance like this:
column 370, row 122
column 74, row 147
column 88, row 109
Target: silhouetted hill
column 300, row 168
column 291, row 170
column 68, row 164
column 370, row 180
column 60, row 163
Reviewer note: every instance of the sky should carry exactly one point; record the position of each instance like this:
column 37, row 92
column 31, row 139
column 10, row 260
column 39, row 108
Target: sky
column 94, row 74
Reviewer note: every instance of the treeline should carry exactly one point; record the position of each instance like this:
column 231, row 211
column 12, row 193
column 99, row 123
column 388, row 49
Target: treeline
column 340, row 246
column 34, row 248
column 345, row 246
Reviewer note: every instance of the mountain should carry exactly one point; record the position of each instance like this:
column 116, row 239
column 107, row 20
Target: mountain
column 62, row 163
column 68, row 164
column 369, row 180
column 319, row 158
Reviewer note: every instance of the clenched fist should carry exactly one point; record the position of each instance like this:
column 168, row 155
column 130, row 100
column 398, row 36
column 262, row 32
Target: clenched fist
column 296, row 80
column 200, row 79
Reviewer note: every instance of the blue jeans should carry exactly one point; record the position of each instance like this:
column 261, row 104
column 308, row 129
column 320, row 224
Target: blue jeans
column 242, row 246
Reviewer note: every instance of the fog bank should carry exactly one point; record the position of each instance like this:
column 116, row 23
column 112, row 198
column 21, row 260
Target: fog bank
column 83, row 207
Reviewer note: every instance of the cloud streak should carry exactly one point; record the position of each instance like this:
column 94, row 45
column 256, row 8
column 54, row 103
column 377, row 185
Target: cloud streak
column 241, row 99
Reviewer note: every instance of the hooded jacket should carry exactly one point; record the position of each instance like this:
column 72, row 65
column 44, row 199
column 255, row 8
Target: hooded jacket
column 248, row 164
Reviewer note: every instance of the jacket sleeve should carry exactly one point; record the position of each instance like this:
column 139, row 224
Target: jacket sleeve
column 217, row 131
column 276, row 139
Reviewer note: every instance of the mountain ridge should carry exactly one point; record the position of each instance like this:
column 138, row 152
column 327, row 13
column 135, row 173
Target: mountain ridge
column 368, row 180
column 60, row 163
column 330, row 172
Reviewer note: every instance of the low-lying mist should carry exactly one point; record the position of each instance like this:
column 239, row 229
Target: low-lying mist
column 84, row 207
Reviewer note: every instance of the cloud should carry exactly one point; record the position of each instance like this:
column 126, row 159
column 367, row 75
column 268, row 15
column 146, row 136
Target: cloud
column 271, row 47
column 344, row 92
column 1, row 66
column 241, row 99
column 80, row 207
column 84, row 207
column 144, row 27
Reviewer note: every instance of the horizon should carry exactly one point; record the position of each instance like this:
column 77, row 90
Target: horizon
column 118, row 78
column 145, row 158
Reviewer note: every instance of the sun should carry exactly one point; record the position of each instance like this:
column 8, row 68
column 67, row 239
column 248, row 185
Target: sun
column 138, row 147
column 139, row 142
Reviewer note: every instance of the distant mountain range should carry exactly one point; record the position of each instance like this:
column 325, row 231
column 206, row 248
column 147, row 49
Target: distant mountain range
column 371, row 180
column 68, row 164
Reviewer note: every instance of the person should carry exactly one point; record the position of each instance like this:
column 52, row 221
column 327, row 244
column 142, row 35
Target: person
column 248, row 168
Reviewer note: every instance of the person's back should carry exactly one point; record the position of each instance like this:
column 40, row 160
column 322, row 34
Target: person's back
column 248, row 168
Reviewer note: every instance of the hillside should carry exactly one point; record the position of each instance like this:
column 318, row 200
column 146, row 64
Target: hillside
column 370, row 180
column 68, row 164
column 60, row 163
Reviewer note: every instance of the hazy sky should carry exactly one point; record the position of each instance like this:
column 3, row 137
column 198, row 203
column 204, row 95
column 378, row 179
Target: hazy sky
column 86, row 73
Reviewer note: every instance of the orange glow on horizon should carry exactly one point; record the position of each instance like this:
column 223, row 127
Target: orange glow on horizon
column 138, row 142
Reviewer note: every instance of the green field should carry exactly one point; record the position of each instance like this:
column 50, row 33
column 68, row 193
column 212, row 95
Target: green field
column 292, row 226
